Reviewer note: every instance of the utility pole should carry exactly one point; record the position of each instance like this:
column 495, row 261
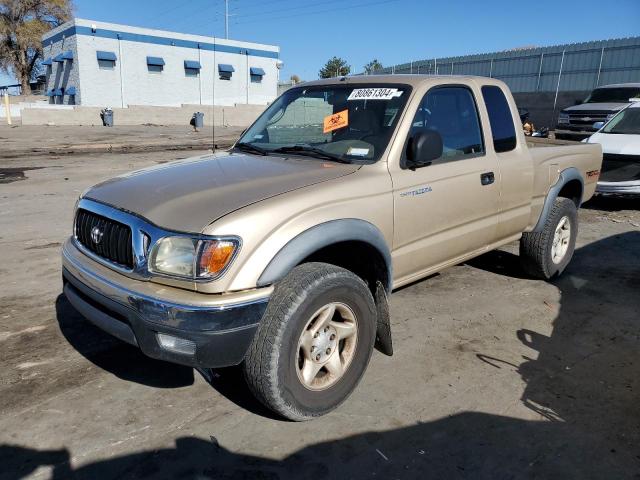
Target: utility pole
column 226, row 19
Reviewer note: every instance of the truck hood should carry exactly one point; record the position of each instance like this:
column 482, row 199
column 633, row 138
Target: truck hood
column 190, row 194
column 595, row 107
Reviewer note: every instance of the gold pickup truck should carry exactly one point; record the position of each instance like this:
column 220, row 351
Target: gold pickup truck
column 280, row 254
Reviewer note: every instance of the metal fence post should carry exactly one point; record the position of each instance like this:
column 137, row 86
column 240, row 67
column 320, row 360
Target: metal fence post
column 555, row 100
column 599, row 68
column 539, row 72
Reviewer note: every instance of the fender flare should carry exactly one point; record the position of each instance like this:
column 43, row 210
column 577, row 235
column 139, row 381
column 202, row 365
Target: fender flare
column 323, row 235
column 567, row 175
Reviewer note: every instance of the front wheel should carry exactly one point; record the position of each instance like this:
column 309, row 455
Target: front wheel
column 314, row 342
column 545, row 254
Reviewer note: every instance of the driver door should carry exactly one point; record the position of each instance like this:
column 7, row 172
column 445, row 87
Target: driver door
column 448, row 209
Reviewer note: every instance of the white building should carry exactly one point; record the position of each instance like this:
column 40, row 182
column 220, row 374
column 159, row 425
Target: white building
column 104, row 64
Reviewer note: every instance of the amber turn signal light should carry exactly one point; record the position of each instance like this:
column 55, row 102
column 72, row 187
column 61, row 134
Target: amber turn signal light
column 214, row 256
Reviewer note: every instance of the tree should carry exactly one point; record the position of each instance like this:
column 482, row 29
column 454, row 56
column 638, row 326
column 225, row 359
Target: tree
column 373, row 66
column 295, row 79
column 22, row 24
column 335, row 67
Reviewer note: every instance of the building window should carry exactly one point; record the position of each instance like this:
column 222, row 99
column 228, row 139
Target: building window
column 225, row 71
column 106, row 64
column 191, row 68
column 155, row 64
column 256, row 74
column 106, row 60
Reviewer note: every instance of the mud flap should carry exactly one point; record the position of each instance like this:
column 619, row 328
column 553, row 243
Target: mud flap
column 383, row 329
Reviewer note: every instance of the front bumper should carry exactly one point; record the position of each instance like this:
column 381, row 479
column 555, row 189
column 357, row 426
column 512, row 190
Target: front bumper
column 619, row 188
column 221, row 326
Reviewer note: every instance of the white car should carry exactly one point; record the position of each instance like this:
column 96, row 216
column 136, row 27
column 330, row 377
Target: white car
column 620, row 140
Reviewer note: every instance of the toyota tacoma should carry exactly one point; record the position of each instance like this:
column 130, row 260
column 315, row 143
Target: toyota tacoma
column 280, row 254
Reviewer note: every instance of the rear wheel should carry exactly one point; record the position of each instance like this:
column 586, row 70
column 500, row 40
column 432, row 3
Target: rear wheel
column 545, row 254
column 313, row 343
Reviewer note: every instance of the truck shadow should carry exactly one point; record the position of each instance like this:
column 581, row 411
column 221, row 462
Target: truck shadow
column 583, row 384
column 110, row 354
column 612, row 204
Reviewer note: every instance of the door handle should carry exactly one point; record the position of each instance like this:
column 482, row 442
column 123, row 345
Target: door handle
column 487, row 178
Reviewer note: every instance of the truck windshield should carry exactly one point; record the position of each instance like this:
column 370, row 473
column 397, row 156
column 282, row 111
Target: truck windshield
column 351, row 123
column 627, row 122
column 613, row 95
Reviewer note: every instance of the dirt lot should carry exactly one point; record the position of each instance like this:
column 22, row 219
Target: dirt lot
column 495, row 375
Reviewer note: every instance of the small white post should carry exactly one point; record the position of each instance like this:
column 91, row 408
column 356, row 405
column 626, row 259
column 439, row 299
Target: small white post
column 7, row 107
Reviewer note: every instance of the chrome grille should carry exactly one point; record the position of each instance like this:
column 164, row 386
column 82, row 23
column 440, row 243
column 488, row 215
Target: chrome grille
column 587, row 119
column 104, row 237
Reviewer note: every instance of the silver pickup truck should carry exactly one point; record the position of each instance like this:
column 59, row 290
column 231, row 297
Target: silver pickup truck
column 280, row 254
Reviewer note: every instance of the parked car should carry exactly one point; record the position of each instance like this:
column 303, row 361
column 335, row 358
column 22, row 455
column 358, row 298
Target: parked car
column 576, row 123
column 620, row 140
column 280, row 254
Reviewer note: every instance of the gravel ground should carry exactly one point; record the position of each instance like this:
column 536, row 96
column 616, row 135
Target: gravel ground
column 495, row 375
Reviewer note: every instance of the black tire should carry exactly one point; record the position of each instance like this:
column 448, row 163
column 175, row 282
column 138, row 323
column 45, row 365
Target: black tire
column 536, row 247
column 270, row 367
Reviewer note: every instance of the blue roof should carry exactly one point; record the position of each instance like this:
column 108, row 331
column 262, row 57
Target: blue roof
column 111, row 56
column 48, row 61
column 68, row 55
column 257, row 71
column 58, row 58
column 70, row 91
column 224, row 67
column 192, row 64
column 155, row 61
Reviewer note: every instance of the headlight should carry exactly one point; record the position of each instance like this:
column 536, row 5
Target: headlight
column 563, row 117
column 192, row 258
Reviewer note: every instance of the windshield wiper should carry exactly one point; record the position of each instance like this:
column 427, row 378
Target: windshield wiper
column 311, row 151
column 249, row 147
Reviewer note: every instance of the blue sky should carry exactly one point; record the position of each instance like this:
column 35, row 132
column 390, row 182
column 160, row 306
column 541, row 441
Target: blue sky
column 393, row 31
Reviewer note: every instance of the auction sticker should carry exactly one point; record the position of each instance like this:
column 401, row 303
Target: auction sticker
column 374, row 94
column 336, row 121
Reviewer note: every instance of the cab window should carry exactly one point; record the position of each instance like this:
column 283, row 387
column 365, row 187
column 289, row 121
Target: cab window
column 500, row 119
column 451, row 111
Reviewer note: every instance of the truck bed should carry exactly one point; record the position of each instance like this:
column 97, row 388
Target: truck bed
column 585, row 157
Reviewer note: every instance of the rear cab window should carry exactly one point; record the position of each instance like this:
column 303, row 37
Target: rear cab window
column 502, row 126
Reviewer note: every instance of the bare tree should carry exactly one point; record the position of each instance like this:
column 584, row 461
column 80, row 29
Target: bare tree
column 22, row 24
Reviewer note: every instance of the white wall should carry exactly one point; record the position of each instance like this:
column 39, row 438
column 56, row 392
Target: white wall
column 99, row 87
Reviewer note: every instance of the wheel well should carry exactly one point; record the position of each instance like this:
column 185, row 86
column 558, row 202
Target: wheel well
column 361, row 258
column 573, row 191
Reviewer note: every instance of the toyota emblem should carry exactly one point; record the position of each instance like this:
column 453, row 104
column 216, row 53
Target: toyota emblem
column 96, row 235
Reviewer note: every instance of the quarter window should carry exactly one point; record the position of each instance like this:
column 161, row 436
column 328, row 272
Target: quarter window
column 451, row 111
column 500, row 119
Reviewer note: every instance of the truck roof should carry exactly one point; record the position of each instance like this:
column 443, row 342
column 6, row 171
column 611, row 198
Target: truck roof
column 403, row 79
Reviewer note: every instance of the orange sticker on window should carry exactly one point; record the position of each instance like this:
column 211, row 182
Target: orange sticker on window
column 336, row 121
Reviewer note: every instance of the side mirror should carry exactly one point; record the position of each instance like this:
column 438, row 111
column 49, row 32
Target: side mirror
column 598, row 125
column 424, row 147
